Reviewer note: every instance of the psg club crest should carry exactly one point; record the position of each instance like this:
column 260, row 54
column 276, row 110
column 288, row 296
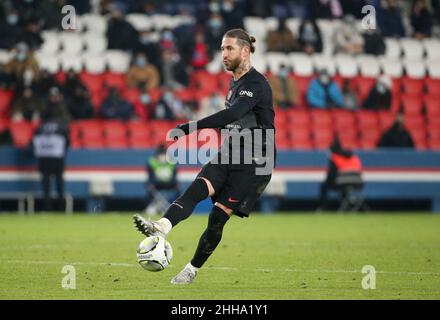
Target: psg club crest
column 228, row 97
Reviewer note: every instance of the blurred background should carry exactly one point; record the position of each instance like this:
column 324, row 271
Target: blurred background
column 115, row 76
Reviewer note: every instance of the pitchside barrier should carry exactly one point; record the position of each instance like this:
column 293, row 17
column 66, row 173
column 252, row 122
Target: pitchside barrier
column 397, row 174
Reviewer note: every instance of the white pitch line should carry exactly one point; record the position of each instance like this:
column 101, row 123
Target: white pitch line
column 222, row 268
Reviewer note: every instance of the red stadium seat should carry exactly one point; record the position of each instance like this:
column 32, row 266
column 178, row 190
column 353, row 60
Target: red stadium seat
column 321, row 118
column 322, row 138
column 367, row 120
column 139, row 135
column 92, row 134
column 186, row 95
column 302, row 82
column 5, row 100
column 159, row 130
column 369, row 138
column 116, row 80
column 386, row 119
column 115, row 134
column 416, row 122
column 298, row 118
column 93, row 82
column 432, row 104
column 4, row 124
column 22, row 133
column 204, row 83
column 363, row 86
column 224, row 79
column 412, row 86
column 433, row 86
column 412, row 105
column 131, row 95
column 75, row 135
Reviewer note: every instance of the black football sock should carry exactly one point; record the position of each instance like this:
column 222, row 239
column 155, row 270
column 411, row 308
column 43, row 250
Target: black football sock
column 211, row 237
column 183, row 206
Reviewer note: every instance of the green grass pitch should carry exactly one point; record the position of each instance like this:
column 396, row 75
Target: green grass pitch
column 280, row 256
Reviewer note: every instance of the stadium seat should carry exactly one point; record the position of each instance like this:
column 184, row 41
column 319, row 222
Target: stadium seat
column 131, row 95
column 432, row 48
column 71, row 42
column 369, row 66
column 322, row 137
column 92, row 134
column 386, row 119
column 393, row 49
column 139, row 135
column 49, row 62
column 412, row 48
column 93, row 82
column 139, row 21
column 298, row 118
column 93, row 63
column 392, row 67
column 302, row 82
column 6, row 97
column 321, row 118
column 71, row 61
column 94, row 23
column 6, row 56
column 302, row 65
column 415, row 122
column 412, row 86
column 275, row 59
column 4, row 124
column 433, row 86
column 75, row 135
column 412, row 105
column 204, row 83
column 224, row 79
column 367, row 120
column 419, row 137
column 432, row 105
column 322, row 62
column 369, row 138
column 363, row 86
column 115, row 134
column 415, row 68
column 94, row 43
column 116, row 80
column 433, row 68
column 51, row 42
column 346, row 66
column 118, row 61
column 22, row 133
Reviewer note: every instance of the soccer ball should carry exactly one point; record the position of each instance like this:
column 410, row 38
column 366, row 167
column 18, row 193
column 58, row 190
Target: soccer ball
column 154, row 253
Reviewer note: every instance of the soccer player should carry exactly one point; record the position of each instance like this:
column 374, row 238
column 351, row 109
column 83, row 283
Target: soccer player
column 233, row 187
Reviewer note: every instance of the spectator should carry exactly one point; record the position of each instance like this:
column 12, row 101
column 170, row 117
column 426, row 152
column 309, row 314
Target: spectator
column 350, row 99
column 183, row 37
column 214, row 33
column 149, row 45
column 51, row 14
column 397, row 136
column 23, row 68
column 169, row 107
column 44, row 83
column 143, row 72
column 210, row 105
column 353, row 7
column 51, row 142
column 310, row 39
column 5, row 78
column 26, row 107
column 421, row 20
column 282, row 39
column 347, row 38
column 162, row 187
column 114, row 107
column 233, row 14
column 391, row 22
column 56, row 106
column 344, row 169
column 325, row 9
column 71, row 84
column 200, row 56
column 374, row 42
column 380, row 95
column 120, row 34
column 324, row 93
column 31, row 34
column 79, row 104
column 173, row 71
column 284, row 89
column 144, row 105
column 10, row 30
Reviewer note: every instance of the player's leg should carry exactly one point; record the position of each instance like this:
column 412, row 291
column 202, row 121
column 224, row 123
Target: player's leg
column 179, row 210
column 209, row 240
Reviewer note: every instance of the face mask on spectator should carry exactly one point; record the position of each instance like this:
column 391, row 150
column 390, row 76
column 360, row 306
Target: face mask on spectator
column 283, row 73
column 214, row 7
column 21, row 56
column 215, row 23
column 380, row 88
column 12, row 19
column 324, row 79
column 308, row 28
column 168, row 35
column 228, row 7
column 145, row 98
column 140, row 62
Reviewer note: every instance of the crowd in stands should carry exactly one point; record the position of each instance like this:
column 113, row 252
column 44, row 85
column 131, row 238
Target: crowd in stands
column 165, row 63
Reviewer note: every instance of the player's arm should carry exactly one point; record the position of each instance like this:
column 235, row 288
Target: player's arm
column 249, row 95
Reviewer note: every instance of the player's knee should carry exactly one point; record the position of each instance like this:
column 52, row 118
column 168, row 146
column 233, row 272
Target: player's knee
column 224, row 208
column 211, row 190
column 217, row 220
column 196, row 192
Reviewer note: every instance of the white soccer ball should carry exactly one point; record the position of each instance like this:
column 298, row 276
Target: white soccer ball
column 154, row 253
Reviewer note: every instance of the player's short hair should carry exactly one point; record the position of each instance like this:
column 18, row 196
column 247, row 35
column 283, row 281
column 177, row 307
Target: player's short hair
column 243, row 38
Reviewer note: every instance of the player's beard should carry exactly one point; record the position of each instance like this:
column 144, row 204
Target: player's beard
column 233, row 64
